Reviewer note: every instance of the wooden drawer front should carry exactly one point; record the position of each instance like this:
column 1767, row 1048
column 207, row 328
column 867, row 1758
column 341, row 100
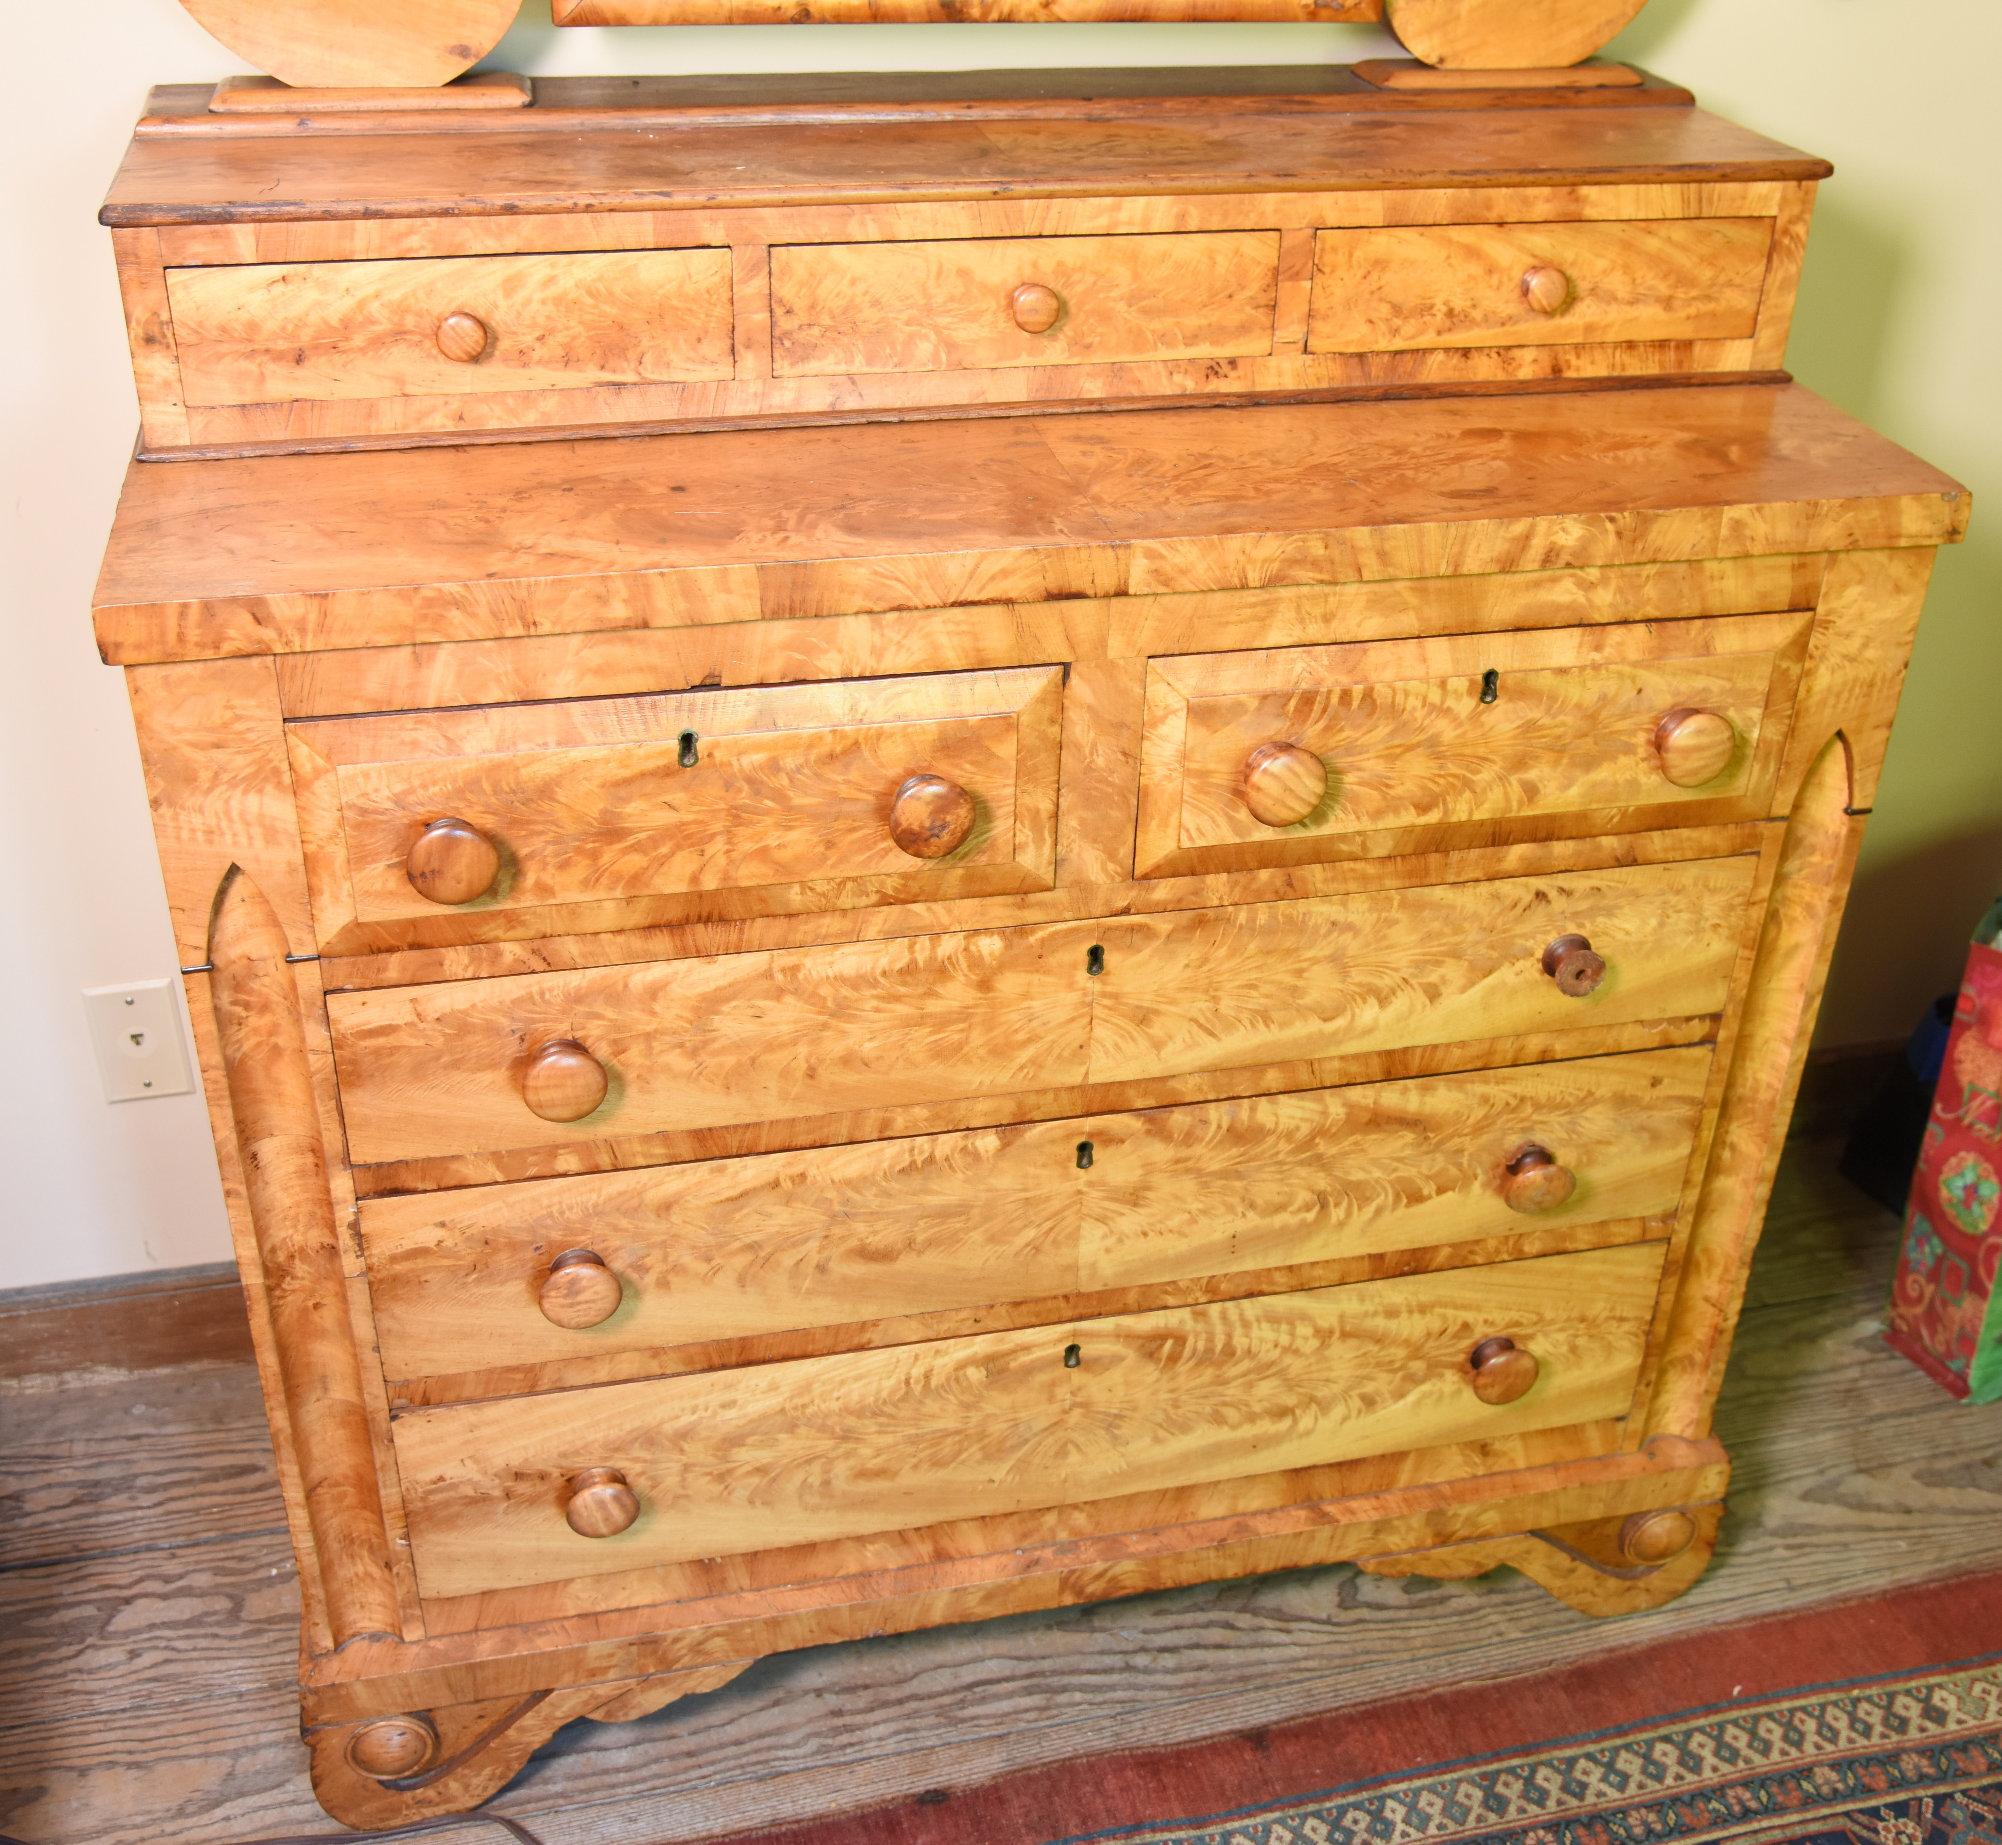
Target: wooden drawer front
column 736, row 1249
column 752, row 792
column 1372, row 748
column 289, row 332
column 798, row 1033
column 1443, row 285
column 961, row 306
column 821, row 1448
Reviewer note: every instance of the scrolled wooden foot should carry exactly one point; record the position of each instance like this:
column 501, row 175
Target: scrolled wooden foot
column 1618, row 1565
column 389, row 1771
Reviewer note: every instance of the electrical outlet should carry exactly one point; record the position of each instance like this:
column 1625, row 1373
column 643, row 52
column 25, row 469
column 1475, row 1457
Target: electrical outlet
column 136, row 1031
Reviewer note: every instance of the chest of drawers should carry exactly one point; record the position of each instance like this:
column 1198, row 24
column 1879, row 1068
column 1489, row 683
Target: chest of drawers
column 823, row 1026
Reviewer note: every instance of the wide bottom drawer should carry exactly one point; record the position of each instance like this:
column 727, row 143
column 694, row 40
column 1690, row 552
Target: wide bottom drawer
column 585, row 1482
column 558, row 1271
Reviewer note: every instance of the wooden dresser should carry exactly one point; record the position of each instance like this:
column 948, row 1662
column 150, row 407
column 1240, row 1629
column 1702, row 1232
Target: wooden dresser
column 951, row 850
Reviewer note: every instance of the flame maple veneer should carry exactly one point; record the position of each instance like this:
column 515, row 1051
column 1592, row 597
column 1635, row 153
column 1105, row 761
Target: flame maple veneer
column 815, row 1030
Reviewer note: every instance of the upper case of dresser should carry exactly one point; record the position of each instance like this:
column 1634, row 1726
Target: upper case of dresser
column 661, row 252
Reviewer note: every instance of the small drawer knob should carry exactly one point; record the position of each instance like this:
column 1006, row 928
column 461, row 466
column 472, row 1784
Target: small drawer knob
column 931, row 817
column 579, row 1291
column 1503, row 1371
column 1283, row 783
column 563, row 1081
column 1547, row 289
column 1577, row 968
column 1650, row 1539
column 1694, row 747
column 1035, row 307
column 601, row 1504
column 1536, row 1182
column 463, row 338
column 388, row 1748
column 452, row 862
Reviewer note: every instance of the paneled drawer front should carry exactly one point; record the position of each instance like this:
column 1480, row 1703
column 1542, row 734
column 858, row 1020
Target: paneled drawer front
column 917, row 787
column 981, row 303
column 291, row 332
column 1383, row 747
column 795, row 1033
column 1445, row 285
column 724, row 1463
column 633, row 1261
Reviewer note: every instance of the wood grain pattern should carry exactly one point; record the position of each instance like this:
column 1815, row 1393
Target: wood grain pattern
column 854, row 309
column 303, row 1285
column 366, row 42
column 846, row 1235
column 1499, row 35
column 804, row 522
column 770, row 795
column 844, row 1446
column 1471, row 285
column 816, row 1031
column 1423, row 742
column 275, row 333
column 920, row 12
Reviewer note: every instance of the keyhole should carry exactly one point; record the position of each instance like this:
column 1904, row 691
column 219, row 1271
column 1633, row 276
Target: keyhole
column 1085, row 1153
column 1491, row 686
column 1073, row 1357
column 688, row 757
column 1094, row 958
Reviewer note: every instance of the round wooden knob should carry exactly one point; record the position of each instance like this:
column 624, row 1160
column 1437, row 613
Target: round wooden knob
column 563, row 1081
column 1695, row 747
column 931, row 817
column 1284, row 783
column 1571, row 962
column 1035, row 307
column 1503, row 1371
column 462, row 338
column 452, row 862
column 388, row 1748
column 1546, row 289
column 1537, row 1182
column 601, row 1504
column 579, row 1291
column 1649, row 1539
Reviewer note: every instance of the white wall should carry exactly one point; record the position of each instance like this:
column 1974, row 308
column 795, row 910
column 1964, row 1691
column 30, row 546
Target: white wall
column 1896, row 324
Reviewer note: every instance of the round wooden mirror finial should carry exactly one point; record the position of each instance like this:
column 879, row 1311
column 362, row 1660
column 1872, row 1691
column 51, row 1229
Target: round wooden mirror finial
column 1694, row 747
column 388, row 1748
column 600, row 1503
column 1507, row 34
column 580, row 1291
column 1503, row 1371
column 931, row 817
column 451, row 862
column 358, row 44
column 1283, row 783
column 563, row 1081
column 1036, row 307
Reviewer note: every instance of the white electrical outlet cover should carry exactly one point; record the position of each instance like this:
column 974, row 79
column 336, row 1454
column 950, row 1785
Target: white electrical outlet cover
column 136, row 1032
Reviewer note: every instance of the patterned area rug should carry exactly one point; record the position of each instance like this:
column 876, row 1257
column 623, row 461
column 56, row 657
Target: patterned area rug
column 1876, row 1722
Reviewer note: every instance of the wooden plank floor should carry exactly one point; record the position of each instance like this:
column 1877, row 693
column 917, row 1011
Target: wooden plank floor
column 147, row 1606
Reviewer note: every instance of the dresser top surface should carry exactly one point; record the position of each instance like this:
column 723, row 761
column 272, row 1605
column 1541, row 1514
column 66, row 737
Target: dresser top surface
column 654, row 145
column 288, row 552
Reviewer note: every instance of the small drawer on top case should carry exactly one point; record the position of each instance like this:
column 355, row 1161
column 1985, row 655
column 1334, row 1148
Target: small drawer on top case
column 1367, row 749
column 573, row 1483
column 581, row 814
column 978, row 304
column 619, row 1267
column 1429, row 286
column 281, row 333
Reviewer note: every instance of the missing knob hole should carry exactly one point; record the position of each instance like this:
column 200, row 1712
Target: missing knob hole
column 688, row 752
column 1073, row 1357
